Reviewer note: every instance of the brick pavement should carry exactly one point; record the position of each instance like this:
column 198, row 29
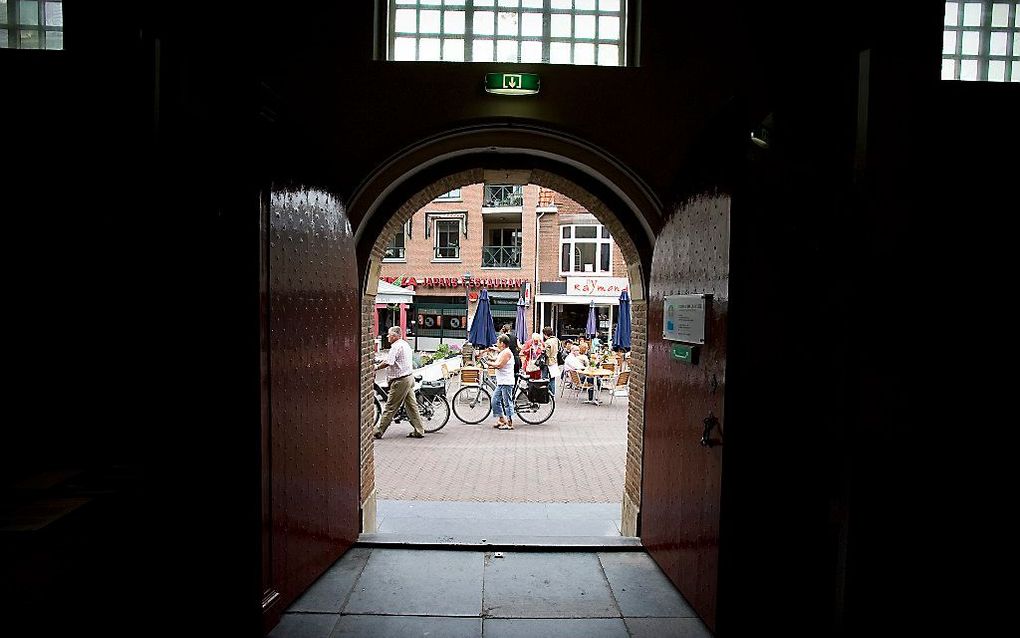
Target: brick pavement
column 578, row 455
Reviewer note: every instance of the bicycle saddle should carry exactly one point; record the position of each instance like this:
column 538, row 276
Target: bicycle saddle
column 417, row 378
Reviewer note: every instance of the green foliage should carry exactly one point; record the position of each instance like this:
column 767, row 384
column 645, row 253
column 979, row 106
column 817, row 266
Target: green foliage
column 443, row 351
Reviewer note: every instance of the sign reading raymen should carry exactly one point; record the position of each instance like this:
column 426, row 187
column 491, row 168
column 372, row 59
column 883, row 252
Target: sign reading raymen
column 683, row 318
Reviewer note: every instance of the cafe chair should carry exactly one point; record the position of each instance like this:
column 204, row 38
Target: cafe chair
column 619, row 386
column 579, row 386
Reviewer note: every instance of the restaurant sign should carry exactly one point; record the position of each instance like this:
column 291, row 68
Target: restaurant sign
column 596, row 286
column 455, row 282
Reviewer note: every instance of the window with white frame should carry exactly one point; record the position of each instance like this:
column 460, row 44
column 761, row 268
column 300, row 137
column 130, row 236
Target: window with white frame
column 31, row 24
column 585, row 249
column 396, row 250
column 981, row 41
column 536, row 31
column 453, row 195
column 447, row 243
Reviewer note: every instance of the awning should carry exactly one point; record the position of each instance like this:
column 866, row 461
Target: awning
column 578, row 299
column 389, row 293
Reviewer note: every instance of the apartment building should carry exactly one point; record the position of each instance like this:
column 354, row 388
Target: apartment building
column 518, row 242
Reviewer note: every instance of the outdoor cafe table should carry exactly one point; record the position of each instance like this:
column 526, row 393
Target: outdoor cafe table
column 597, row 374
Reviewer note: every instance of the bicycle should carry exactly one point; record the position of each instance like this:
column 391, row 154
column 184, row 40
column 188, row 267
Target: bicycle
column 472, row 403
column 433, row 408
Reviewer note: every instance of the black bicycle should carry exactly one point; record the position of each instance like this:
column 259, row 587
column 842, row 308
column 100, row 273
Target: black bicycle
column 472, row 403
column 432, row 406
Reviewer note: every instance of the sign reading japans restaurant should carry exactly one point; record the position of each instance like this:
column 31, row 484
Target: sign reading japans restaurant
column 458, row 282
column 596, row 286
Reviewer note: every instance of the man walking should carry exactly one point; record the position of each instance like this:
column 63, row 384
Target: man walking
column 552, row 350
column 400, row 371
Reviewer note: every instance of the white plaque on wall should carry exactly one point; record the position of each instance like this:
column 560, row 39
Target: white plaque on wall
column 683, row 318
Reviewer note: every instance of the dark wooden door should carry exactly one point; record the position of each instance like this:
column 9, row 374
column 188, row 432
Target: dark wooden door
column 311, row 374
column 681, row 476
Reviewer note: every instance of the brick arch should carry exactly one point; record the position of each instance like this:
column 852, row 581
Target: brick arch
column 638, row 285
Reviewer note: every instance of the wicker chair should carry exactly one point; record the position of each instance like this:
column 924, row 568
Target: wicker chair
column 620, row 384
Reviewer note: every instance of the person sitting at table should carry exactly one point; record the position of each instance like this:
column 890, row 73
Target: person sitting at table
column 578, row 362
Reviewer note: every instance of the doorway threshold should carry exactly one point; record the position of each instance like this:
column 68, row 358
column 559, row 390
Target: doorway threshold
column 501, row 543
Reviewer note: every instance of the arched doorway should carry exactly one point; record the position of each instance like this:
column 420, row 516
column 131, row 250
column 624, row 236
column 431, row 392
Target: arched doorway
column 388, row 199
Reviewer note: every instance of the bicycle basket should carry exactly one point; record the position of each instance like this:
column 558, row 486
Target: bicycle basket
column 435, row 388
column 538, row 390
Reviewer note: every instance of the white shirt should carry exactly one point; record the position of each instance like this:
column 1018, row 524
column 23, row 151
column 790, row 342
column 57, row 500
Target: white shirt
column 575, row 362
column 399, row 360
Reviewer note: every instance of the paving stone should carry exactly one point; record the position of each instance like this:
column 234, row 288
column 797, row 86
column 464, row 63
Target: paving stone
column 667, row 628
column 640, row 587
column 547, row 585
column 328, row 593
column 555, row 628
column 304, row 626
column 407, row 627
column 419, row 582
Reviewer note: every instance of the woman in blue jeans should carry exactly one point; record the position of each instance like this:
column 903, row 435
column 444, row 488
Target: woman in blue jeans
column 502, row 398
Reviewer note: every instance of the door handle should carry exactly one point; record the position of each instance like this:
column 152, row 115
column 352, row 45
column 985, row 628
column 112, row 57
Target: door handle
column 710, row 423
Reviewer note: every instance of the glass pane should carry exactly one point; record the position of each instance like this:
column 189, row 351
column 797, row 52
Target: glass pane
column 4, row 42
column 54, row 14
column 1016, row 15
column 949, row 41
column 485, row 3
column 481, row 51
column 997, row 71
column 584, row 53
column 531, row 24
column 566, row 232
column 605, row 233
column 998, row 43
column 562, row 4
column 506, row 51
column 404, row 49
column 584, row 26
column 609, row 5
column 507, row 23
column 565, row 258
column 484, row 23
column 972, row 14
column 453, row 50
column 584, row 257
column 609, row 28
column 609, row 55
column 3, row 11
column 604, row 258
column 407, row 1
column 1016, row 45
column 29, row 39
column 951, row 12
column 532, row 4
column 509, row 3
column 559, row 53
column 428, row 49
column 586, row 232
column 968, row 70
column 430, row 2
column 584, row 5
column 455, row 3
column 1000, row 15
column 948, row 69
column 28, row 12
column 55, row 40
column 428, row 22
column 453, row 22
column 970, row 43
column 405, row 21
column 1015, row 76
column 531, row 52
column 561, row 26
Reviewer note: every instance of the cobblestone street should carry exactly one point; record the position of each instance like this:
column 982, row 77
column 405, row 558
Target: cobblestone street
column 577, row 456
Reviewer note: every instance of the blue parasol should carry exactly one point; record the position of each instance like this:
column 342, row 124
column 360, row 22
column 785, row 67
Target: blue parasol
column 521, row 327
column 483, row 332
column 621, row 339
column 591, row 329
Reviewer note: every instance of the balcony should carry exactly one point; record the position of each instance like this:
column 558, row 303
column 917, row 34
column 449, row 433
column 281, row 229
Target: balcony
column 503, row 199
column 501, row 256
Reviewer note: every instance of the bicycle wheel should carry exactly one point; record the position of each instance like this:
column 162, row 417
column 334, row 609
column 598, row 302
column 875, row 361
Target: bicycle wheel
column 533, row 413
column 435, row 412
column 377, row 408
column 472, row 404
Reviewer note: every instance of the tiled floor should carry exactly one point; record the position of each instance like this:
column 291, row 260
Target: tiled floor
column 406, row 592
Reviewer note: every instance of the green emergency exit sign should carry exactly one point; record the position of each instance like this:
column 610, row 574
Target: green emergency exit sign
column 683, row 353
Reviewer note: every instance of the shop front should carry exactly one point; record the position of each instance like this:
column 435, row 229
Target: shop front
column 564, row 305
column 440, row 310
